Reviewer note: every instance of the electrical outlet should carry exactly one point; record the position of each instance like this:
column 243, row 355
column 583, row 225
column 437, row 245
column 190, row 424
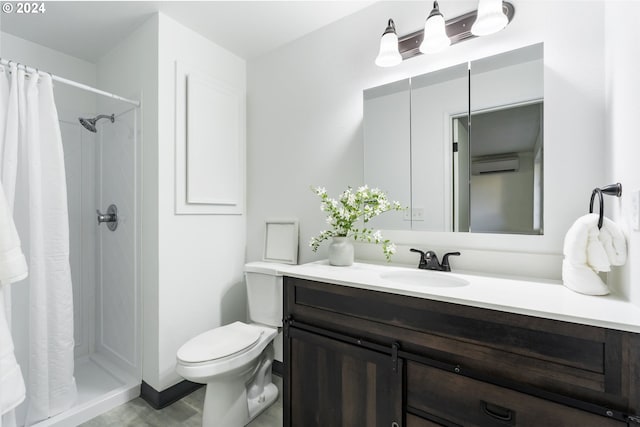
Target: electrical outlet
column 635, row 210
column 415, row 214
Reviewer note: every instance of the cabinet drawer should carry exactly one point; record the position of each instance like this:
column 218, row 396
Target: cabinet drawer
column 465, row 401
column 413, row 421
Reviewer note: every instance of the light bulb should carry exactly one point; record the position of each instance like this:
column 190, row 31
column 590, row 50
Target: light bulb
column 389, row 56
column 435, row 34
column 491, row 18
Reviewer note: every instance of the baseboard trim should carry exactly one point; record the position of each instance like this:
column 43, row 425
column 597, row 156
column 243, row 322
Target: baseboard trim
column 277, row 368
column 161, row 399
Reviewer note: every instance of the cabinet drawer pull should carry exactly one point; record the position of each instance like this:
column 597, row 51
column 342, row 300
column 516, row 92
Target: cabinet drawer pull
column 497, row 412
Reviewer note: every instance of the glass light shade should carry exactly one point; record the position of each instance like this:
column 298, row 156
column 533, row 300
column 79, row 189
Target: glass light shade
column 435, row 35
column 491, row 18
column 388, row 56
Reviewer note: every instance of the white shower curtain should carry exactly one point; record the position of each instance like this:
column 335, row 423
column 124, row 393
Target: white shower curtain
column 33, row 177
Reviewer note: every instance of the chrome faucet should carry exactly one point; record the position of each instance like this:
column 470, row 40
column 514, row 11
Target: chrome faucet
column 429, row 260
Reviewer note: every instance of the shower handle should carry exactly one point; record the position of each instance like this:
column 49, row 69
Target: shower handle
column 111, row 217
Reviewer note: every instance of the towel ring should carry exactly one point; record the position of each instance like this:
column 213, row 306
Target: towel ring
column 601, row 212
column 612, row 190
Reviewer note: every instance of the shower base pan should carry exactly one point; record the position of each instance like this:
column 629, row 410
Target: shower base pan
column 99, row 390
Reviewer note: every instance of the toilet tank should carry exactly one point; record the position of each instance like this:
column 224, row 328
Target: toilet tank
column 264, row 292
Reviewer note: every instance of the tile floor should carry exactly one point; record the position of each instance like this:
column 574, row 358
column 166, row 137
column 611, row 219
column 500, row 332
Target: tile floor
column 186, row 412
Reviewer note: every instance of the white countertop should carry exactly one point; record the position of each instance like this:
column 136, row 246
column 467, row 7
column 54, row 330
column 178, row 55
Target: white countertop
column 541, row 298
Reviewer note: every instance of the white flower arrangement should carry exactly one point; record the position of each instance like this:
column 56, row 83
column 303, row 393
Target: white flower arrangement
column 351, row 207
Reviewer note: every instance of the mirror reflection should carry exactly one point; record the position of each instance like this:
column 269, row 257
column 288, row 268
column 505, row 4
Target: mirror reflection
column 503, row 169
column 435, row 97
column 387, row 148
column 481, row 175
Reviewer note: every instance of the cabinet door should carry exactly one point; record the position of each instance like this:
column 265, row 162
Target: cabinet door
column 331, row 383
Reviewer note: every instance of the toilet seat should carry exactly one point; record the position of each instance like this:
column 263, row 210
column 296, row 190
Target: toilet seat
column 219, row 343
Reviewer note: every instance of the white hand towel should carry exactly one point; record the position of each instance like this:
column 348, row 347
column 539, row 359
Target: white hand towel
column 589, row 250
column 581, row 244
column 582, row 279
column 597, row 257
column 613, row 242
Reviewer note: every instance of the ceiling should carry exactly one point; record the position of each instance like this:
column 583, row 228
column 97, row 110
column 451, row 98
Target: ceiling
column 89, row 29
column 508, row 130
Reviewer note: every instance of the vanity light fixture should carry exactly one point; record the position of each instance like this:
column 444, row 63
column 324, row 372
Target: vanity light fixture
column 389, row 56
column 435, row 34
column 491, row 16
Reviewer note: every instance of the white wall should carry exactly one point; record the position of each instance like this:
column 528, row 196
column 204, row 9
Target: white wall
column 55, row 62
column 504, row 201
column 623, row 150
column 305, row 125
column 201, row 257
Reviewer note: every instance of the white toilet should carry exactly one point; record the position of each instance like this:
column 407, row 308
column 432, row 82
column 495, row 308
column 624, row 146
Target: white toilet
column 234, row 360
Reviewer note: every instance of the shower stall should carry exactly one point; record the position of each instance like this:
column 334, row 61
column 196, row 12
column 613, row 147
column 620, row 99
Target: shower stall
column 104, row 261
column 101, row 157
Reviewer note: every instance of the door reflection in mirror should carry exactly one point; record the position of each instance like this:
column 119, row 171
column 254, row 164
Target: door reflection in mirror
column 498, row 179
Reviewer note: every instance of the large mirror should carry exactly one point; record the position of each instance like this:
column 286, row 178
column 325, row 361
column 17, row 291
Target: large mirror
column 387, row 148
column 463, row 146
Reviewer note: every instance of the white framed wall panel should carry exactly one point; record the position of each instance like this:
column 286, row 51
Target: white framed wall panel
column 210, row 145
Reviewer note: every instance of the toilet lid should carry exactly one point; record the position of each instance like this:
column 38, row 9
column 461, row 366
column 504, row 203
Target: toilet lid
column 219, row 342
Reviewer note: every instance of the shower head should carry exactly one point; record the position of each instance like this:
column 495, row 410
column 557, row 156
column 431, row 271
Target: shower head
column 90, row 124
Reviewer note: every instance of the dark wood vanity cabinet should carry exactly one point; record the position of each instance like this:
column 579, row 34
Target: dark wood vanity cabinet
column 333, row 383
column 356, row 357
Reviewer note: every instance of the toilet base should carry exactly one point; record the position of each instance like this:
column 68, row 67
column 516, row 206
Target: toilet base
column 233, row 412
column 258, row 404
column 233, row 400
column 225, row 404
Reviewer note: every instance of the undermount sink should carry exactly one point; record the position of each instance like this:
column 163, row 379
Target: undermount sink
column 424, row 278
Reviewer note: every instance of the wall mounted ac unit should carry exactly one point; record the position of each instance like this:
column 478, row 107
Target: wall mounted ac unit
column 500, row 164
